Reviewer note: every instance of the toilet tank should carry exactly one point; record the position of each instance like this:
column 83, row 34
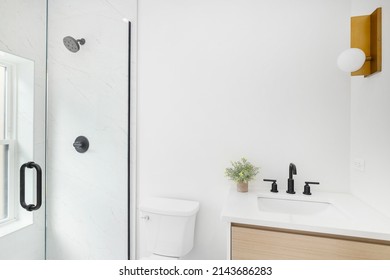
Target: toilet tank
column 169, row 225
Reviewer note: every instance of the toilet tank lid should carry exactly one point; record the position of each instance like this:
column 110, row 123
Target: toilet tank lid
column 170, row 206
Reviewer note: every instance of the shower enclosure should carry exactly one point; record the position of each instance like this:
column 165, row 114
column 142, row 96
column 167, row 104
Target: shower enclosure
column 22, row 118
column 66, row 74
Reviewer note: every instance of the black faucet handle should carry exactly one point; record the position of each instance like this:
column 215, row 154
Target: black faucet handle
column 274, row 186
column 306, row 189
column 312, row 183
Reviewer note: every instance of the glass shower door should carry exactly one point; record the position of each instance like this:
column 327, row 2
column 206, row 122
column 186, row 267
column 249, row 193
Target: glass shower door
column 22, row 129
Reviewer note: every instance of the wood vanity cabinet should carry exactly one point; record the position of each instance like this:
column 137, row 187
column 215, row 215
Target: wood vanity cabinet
column 264, row 243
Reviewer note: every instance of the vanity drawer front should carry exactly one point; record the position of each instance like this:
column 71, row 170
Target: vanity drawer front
column 250, row 243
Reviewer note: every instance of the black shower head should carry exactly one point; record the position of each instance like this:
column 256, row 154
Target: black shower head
column 72, row 44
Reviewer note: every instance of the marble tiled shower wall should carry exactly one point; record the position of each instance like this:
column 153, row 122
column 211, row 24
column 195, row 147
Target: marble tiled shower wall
column 88, row 95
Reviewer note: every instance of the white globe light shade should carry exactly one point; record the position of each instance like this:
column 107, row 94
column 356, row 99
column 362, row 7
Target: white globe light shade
column 351, row 60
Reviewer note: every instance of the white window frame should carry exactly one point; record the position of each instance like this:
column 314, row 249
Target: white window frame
column 10, row 136
column 17, row 217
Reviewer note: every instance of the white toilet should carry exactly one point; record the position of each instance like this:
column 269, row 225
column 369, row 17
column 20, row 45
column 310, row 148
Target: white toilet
column 169, row 227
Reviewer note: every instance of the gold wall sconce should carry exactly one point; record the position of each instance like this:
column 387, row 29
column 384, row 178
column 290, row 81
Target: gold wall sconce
column 365, row 55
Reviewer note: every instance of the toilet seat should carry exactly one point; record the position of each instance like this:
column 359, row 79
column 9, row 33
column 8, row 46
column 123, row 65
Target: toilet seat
column 159, row 257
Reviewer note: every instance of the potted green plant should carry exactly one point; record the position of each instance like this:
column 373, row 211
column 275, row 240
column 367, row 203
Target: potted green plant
column 241, row 172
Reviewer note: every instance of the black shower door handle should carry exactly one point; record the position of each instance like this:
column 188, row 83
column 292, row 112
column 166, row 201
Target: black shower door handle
column 30, row 207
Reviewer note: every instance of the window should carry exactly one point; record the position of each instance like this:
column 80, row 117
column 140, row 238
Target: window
column 5, row 145
column 3, row 151
column 16, row 138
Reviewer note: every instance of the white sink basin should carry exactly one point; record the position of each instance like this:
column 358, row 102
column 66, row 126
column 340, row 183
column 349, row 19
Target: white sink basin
column 293, row 206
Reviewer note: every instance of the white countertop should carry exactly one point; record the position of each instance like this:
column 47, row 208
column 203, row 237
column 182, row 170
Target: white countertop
column 356, row 218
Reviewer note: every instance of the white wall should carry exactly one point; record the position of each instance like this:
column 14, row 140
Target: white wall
column 88, row 95
column 370, row 115
column 23, row 33
column 223, row 79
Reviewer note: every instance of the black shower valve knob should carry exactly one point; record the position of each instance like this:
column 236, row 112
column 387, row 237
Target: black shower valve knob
column 81, row 144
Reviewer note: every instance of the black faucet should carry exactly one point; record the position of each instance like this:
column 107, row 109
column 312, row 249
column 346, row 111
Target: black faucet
column 290, row 182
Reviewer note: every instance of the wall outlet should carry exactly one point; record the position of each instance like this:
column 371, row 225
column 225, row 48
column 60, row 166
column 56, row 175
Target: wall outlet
column 358, row 164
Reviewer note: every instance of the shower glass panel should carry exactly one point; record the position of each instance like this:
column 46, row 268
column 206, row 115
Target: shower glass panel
column 89, row 52
column 87, row 214
column 22, row 128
